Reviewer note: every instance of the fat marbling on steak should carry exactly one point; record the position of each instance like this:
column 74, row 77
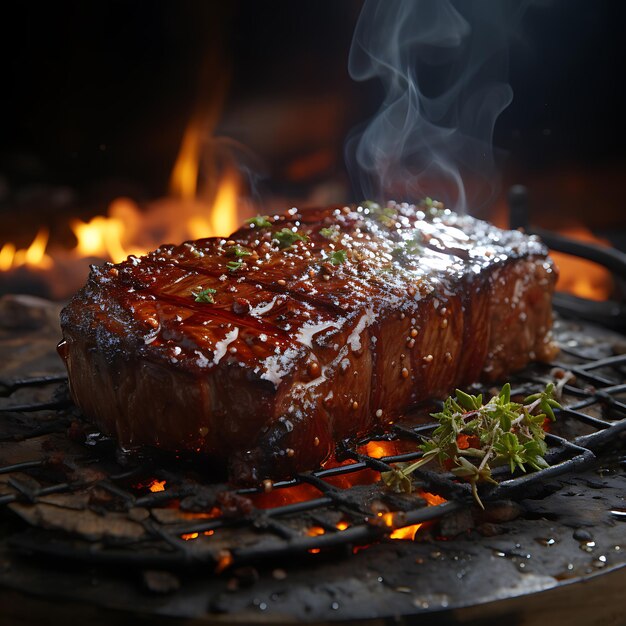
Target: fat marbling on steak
column 265, row 349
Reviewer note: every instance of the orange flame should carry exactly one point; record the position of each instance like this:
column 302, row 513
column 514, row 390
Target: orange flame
column 128, row 229
column 578, row 276
column 379, row 449
column 189, row 536
column 33, row 256
column 225, row 559
column 157, row 485
column 432, row 498
column 286, row 495
column 184, row 177
column 403, row 532
column 407, row 533
column 212, row 514
column 102, row 237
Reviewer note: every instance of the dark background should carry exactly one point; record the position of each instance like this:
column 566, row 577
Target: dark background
column 96, row 96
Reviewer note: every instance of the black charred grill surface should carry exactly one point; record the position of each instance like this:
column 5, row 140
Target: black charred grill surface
column 73, row 510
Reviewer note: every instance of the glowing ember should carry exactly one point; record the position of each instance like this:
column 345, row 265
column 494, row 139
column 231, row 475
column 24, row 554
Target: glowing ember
column 188, row 536
column 387, row 518
column 379, row 449
column 157, row 485
column 224, row 560
column 315, row 531
column 212, row 514
column 432, row 498
column 192, row 536
column 578, row 276
column 343, row 525
column 345, row 481
column 283, row 496
column 407, row 533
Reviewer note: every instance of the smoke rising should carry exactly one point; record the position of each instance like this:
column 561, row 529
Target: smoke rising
column 442, row 66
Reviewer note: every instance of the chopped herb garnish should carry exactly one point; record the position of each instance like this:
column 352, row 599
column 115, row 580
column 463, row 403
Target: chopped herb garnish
column 330, row 233
column 260, row 221
column 337, row 257
column 204, row 295
column 234, row 265
column 410, row 247
column 287, row 237
column 371, row 205
column 384, row 214
column 432, row 207
column 473, row 437
column 238, row 251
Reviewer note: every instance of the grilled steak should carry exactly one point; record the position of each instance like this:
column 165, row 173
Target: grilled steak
column 266, row 349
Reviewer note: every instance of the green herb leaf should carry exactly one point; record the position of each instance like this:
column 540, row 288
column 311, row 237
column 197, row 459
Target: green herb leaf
column 385, row 215
column 260, row 221
column 204, row 295
column 407, row 249
column 330, row 233
column 237, row 251
column 234, row 265
column 370, row 205
column 505, row 393
column 466, row 401
column 337, row 257
column 287, row 237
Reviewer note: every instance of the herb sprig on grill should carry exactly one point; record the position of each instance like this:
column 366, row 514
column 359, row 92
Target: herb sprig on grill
column 473, row 437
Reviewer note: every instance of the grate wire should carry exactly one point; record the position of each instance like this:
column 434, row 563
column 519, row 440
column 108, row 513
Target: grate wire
column 277, row 531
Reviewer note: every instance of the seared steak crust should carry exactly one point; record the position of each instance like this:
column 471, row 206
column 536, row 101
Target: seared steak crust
column 303, row 342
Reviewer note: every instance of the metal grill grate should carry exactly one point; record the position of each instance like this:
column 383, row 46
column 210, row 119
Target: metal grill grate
column 593, row 417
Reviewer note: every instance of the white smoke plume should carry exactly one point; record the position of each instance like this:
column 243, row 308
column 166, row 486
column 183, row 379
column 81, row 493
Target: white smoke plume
column 443, row 67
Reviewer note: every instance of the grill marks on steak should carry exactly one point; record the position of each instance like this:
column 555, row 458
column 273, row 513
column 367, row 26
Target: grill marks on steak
column 296, row 353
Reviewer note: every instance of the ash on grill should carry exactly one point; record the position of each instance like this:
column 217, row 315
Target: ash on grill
column 66, row 493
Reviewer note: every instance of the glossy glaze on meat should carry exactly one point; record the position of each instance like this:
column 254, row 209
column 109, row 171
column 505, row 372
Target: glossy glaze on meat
column 373, row 311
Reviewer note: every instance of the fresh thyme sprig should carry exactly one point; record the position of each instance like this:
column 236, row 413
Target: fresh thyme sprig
column 473, row 437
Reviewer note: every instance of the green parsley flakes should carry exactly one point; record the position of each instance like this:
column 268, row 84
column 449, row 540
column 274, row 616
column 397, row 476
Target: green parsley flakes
column 260, row 221
column 237, row 251
column 287, row 237
column 330, row 233
column 337, row 257
column 234, row 265
column 204, row 295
